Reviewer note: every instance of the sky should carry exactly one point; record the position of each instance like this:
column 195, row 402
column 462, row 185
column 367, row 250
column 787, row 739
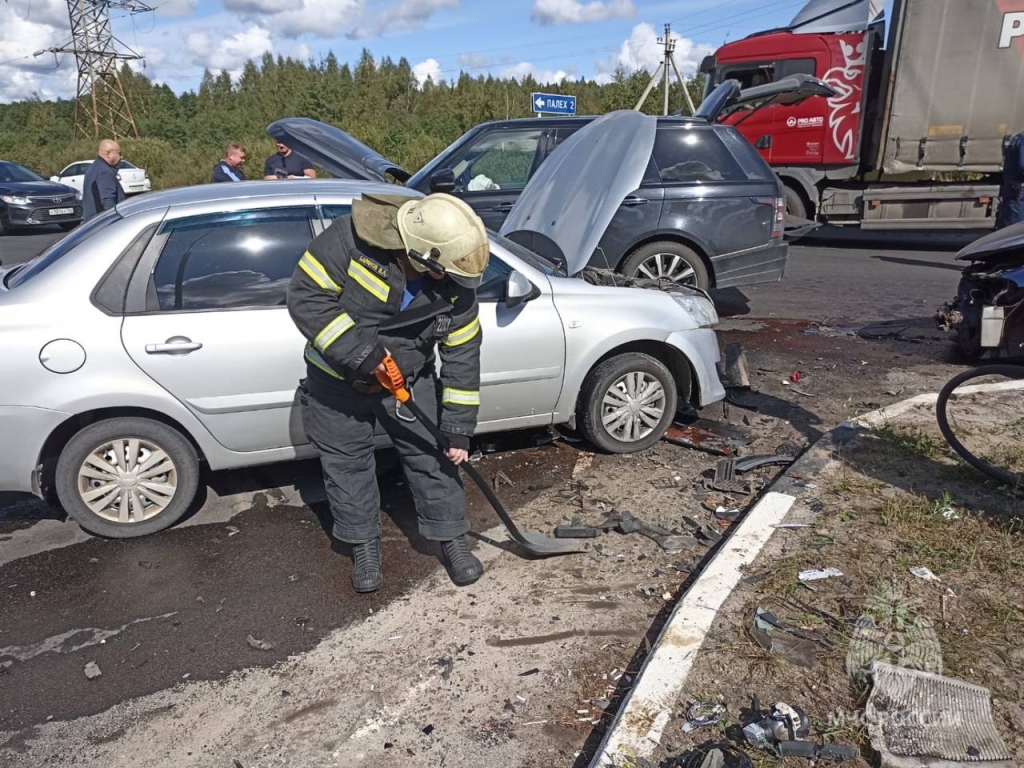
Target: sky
column 550, row 39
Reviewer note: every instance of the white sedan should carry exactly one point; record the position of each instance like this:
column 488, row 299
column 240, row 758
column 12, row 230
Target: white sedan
column 133, row 179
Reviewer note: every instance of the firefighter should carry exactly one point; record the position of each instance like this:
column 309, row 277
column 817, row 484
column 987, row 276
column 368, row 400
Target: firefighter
column 1011, row 199
column 360, row 292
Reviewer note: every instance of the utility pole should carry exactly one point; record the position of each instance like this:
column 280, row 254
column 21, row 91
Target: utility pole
column 101, row 106
column 663, row 73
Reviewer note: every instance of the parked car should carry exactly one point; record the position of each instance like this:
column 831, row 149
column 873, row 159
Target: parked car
column 133, row 179
column 155, row 339
column 707, row 211
column 29, row 200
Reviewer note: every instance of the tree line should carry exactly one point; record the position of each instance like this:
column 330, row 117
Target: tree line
column 380, row 103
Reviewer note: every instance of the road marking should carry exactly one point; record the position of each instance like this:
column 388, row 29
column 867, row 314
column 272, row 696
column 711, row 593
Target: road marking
column 877, row 418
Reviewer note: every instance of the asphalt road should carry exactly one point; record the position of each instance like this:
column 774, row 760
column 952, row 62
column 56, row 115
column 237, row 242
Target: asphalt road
column 152, row 612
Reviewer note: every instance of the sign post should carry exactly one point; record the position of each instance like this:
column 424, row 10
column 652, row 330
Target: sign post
column 552, row 104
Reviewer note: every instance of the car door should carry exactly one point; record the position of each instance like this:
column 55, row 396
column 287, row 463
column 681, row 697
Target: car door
column 522, row 358
column 74, row 175
column 208, row 321
column 492, row 170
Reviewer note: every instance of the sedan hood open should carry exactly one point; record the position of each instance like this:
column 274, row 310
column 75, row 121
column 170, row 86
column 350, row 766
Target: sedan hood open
column 564, row 210
column 341, row 155
column 1001, row 245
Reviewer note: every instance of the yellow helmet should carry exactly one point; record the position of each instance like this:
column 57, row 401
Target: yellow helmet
column 450, row 226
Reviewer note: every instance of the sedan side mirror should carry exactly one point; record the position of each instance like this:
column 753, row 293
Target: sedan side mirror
column 519, row 290
column 443, row 181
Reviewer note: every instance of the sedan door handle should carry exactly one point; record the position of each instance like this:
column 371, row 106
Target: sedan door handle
column 502, row 208
column 176, row 345
column 631, row 201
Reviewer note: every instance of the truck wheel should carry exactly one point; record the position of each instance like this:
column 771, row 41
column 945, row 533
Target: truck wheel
column 668, row 260
column 628, row 402
column 127, row 477
column 795, row 204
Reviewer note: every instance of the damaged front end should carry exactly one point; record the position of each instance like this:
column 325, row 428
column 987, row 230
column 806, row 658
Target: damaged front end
column 695, row 301
column 988, row 312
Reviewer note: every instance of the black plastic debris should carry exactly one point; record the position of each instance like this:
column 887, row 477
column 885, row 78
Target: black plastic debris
column 748, row 463
column 725, row 478
column 388, row 745
column 427, row 730
column 447, row 665
column 722, row 753
column 576, row 530
column 529, row 672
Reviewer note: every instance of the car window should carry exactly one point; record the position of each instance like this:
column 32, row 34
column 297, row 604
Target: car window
column 498, row 160
column 752, row 163
column 750, row 75
column 230, row 261
column 694, row 156
column 80, row 169
column 495, row 279
column 125, row 165
column 15, row 172
column 61, row 248
column 332, row 212
column 788, row 67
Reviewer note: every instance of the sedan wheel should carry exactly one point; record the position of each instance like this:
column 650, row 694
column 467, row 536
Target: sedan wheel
column 627, row 403
column 633, row 406
column 127, row 477
column 668, row 260
column 127, row 481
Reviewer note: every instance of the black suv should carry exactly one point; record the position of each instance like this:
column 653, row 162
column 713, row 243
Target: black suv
column 709, row 211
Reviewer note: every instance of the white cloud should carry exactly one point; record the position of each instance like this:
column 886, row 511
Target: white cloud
column 407, row 16
column 323, row 18
column 524, row 69
column 27, row 28
column 642, row 52
column 177, row 8
column 229, row 53
column 300, row 52
column 427, row 70
column 475, row 60
column 576, row 12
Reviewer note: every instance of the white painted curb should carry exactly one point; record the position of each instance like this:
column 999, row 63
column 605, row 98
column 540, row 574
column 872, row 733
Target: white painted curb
column 640, row 722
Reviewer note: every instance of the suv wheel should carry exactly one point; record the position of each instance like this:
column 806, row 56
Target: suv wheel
column 127, row 477
column 668, row 260
column 627, row 404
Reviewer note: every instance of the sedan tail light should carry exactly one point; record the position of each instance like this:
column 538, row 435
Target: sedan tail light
column 779, row 216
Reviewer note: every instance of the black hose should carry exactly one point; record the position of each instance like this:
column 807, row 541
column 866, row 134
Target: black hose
column 1009, row 371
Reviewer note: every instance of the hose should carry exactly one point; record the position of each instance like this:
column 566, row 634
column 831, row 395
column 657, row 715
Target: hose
column 1009, row 371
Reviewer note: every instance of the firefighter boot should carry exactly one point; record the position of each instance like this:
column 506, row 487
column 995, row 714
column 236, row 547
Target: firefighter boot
column 366, row 575
column 462, row 564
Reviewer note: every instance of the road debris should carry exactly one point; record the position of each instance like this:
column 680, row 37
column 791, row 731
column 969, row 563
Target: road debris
column 576, row 530
column 958, row 730
column 500, row 478
column 626, row 523
column 783, row 722
column 427, row 730
column 925, row 573
column 948, row 513
column 259, row 645
column 748, row 463
column 720, row 754
column 698, row 439
column 447, row 665
column 529, row 672
column 92, row 670
column 703, row 713
column 232, row 530
column 728, row 515
column 785, row 640
column 817, row 575
column 667, row 483
column 735, row 368
column 725, row 478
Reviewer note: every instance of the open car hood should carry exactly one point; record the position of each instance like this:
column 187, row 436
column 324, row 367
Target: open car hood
column 334, row 150
column 564, row 210
column 1001, row 245
column 821, row 17
column 728, row 98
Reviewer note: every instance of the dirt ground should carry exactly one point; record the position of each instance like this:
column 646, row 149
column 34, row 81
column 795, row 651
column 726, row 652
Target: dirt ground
column 893, row 500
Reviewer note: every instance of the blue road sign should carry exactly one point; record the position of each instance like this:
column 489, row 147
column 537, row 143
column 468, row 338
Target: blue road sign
column 553, row 104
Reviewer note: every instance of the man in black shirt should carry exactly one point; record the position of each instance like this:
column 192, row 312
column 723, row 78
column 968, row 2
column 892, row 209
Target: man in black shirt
column 230, row 168
column 101, row 188
column 286, row 164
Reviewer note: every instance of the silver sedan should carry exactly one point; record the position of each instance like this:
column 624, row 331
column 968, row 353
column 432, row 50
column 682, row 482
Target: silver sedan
column 154, row 342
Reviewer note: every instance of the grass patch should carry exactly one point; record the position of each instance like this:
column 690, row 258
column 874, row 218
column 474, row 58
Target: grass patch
column 911, row 440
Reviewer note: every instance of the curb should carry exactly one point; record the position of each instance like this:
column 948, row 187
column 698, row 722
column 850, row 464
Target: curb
column 637, row 729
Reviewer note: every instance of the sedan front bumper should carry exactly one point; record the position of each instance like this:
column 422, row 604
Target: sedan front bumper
column 25, row 432
column 35, row 215
column 701, row 348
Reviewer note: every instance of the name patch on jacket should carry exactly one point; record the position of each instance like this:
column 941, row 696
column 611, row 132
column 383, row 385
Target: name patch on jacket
column 374, row 266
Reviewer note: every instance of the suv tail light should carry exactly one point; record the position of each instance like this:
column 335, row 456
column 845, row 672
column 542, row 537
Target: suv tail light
column 779, row 217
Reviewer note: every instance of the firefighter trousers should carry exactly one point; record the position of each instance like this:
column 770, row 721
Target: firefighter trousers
column 340, row 422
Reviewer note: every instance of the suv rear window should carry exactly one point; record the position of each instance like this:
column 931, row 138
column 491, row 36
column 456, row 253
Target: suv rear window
column 686, row 155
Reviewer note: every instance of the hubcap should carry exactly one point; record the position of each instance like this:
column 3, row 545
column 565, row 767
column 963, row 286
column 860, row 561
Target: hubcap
column 633, row 406
column 667, row 266
column 127, row 480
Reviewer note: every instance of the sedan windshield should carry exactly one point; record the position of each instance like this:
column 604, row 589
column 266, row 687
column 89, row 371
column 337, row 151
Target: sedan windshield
column 15, row 172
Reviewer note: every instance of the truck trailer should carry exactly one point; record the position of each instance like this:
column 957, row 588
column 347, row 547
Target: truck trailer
column 914, row 136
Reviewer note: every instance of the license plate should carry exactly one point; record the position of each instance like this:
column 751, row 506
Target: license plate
column 61, row 211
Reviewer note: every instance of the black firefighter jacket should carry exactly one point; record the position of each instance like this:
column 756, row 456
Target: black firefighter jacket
column 345, row 297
